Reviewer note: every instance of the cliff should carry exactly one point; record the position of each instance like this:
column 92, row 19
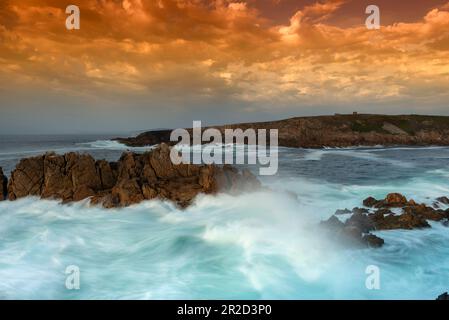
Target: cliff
column 337, row 131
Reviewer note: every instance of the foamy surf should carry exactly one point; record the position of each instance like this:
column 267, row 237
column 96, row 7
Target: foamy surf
column 259, row 245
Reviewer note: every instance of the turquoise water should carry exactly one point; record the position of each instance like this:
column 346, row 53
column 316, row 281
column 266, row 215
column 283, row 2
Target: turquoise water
column 259, row 245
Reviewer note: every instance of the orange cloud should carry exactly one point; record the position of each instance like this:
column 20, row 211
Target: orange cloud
column 181, row 50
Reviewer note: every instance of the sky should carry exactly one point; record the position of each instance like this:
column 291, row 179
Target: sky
column 142, row 64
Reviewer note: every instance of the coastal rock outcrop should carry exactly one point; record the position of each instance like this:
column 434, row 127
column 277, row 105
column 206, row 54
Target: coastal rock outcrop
column 350, row 234
column 393, row 212
column 340, row 130
column 3, row 185
column 132, row 179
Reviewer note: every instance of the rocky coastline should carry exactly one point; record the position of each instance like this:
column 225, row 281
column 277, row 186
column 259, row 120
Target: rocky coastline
column 335, row 131
column 130, row 180
column 151, row 175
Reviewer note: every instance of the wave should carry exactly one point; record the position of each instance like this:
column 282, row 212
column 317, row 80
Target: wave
column 111, row 145
column 317, row 155
column 258, row 245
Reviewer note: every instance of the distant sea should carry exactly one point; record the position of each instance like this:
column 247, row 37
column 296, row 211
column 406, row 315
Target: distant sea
column 258, row 245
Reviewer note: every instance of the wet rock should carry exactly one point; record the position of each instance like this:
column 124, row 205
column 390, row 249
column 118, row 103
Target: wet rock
column 370, row 202
column 395, row 200
column 404, row 221
column 3, row 185
column 350, row 233
column 373, row 241
column 333, row 223
column 134, row 178
column 425, row 212
column 361, row 221
column 443, row 200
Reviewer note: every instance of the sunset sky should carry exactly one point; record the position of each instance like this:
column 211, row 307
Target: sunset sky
column 141, row 64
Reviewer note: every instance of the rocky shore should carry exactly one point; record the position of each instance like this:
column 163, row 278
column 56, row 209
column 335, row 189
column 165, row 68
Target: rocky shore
column 152, row 175
column 336, row 131
column 132, row 179
column 393, row 212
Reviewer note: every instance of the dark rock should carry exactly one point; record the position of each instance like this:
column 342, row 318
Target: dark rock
column 444, row 296
column 350, row 233
column 444, row 200
column 360, row 221
column 342, row 211
column 3, row 185
column 357, row 210
column 425, row 212
column 333, row 223
column 370, row 202
column 404, row 221
column 373, row 241
column 134, row 178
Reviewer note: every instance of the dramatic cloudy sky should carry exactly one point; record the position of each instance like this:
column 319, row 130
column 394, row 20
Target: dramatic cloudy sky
column 138, row 64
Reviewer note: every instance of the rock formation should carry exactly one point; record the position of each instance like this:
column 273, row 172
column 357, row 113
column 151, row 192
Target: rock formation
column 3, row 185
column 134, row 178
column 336, row 131
column 379, row 216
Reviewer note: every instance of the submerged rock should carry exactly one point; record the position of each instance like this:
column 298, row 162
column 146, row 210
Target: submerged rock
column 373, row 241
column 352, row 233
column 3, row 185
column 134, row 178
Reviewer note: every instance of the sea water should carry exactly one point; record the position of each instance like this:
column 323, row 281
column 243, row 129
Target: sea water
column 258, row 245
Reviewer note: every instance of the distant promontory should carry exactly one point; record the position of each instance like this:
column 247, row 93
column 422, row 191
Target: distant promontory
column 339, row 130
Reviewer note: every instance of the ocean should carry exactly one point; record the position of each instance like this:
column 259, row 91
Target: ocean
column 263, row 244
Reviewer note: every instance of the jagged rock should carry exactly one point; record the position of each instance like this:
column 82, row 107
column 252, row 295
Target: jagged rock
column 3, row 185
column 342, row 211
column 108, row 173
column 370, row 202
column 361, row 221
column 357, row 210
column 57, row 182
column 27, row 179
column 426, row 212
column 395, row 200
column 333, row 223
column 134, row 178
column 404, row 221
column 351, row 233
